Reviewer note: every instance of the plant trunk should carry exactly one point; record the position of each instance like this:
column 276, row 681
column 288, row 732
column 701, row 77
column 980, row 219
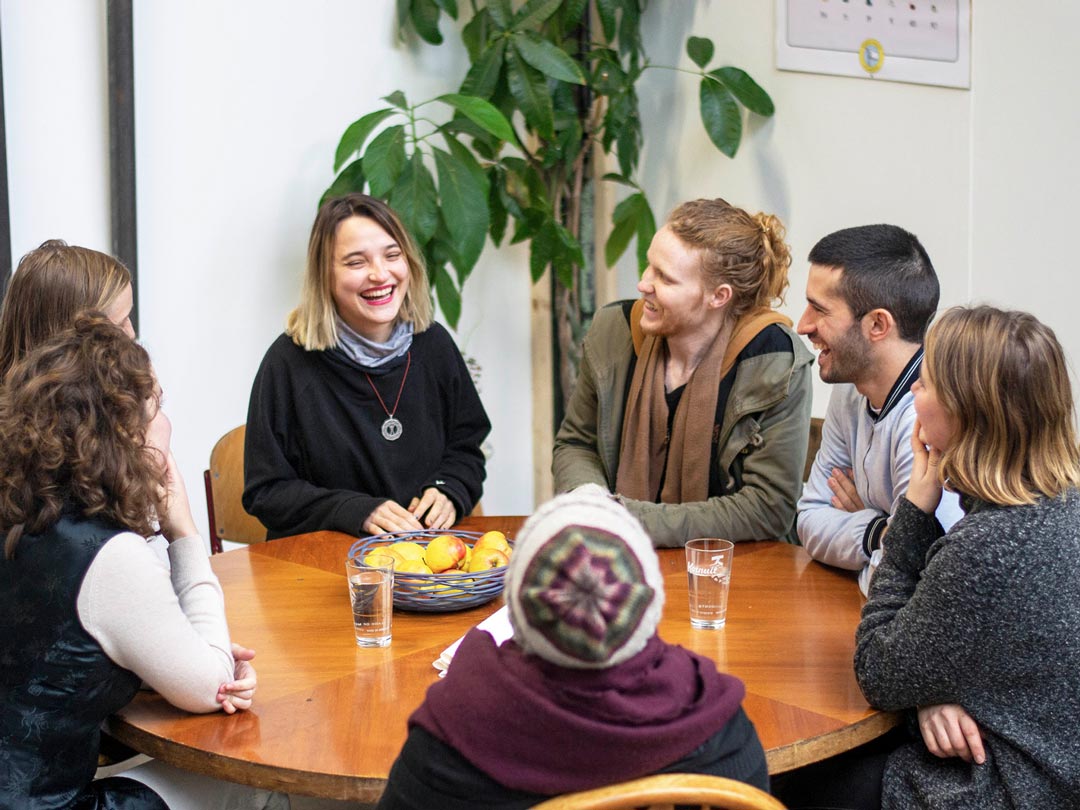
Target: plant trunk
column 572, row 308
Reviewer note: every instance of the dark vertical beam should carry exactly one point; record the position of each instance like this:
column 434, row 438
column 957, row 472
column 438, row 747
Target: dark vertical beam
column 5, row 209
column 122, row 141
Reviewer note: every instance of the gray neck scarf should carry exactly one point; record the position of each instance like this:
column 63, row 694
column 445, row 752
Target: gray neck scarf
column 368, row 353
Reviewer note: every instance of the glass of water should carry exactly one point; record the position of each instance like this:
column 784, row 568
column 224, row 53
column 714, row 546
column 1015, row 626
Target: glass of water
column 708, row 574
column 371, row 591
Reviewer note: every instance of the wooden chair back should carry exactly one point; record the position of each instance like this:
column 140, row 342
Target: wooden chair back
column 664, row 792
column 813, row 446
column 224, row 485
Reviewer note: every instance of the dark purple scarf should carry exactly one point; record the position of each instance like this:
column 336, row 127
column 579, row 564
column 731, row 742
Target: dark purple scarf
column 538, row 727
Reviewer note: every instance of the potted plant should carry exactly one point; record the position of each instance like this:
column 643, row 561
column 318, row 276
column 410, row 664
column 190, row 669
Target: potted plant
column 551, row 84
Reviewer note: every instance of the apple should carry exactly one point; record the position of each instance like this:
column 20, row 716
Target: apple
column 493, row 539
column 484, row 559
column 444, row 552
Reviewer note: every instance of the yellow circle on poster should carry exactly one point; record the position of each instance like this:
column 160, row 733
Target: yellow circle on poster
column 871, row 56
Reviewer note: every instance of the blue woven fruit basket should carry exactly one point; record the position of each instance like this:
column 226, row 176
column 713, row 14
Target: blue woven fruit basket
column 435, row 593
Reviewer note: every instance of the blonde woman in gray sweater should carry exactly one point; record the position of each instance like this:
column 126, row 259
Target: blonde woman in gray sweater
column 974, row 632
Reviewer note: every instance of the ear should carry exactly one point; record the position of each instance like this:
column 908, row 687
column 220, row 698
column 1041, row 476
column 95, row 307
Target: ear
column 879, row 324
column 720, row 297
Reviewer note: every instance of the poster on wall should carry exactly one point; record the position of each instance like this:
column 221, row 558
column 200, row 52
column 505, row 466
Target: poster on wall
column 915, row 41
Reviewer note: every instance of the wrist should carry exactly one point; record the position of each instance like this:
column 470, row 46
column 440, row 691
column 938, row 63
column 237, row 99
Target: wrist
column 174, row 530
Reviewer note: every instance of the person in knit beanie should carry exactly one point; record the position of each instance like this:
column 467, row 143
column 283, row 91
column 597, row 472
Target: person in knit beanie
column 585, row 693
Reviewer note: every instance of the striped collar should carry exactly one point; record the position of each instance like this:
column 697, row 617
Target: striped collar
column 900, row 387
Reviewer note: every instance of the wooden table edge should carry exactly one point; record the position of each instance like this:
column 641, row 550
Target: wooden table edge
column 815, row 749
column 351, row 788
column 235, row 769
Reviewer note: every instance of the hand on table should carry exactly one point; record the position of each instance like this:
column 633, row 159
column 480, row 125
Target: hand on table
column 391, row 516
column 845, row 496
column 436, row 509
column 924, row 487
column 238, row 694
column 949, row 731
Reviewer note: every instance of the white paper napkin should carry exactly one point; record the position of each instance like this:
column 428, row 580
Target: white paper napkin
column 497, row 625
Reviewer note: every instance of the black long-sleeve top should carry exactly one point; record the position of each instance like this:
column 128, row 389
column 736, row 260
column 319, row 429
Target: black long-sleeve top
column 315, row 457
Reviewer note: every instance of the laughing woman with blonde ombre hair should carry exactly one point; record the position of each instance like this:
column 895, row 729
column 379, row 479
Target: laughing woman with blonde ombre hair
column 363, row 417
column 974, row 630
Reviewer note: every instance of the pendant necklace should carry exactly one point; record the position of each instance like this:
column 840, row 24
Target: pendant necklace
column 391, row 428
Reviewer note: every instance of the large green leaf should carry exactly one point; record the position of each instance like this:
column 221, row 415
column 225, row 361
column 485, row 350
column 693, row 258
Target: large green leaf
column 542, row 250
column 549, row 59
column 608, row 77
column 623, row 230
column 353, row 139
column 606, row 9
column 467, row 159
column 415, row 200
column 533, row 13
column 622, row 125
column 646, row 230
column 449, row 6
column 497, row 213
column 483, row 76
column 385, row 160
column 700, row 50
column 425, row 19
column 530, row 91
column 438, row 252
column 614, row 177
column 745, row 89
column 573, row 13
column 483, row 113
column 351, row 179
column 500, row 12
column 476, row 33
column 571, row 247
column 721, row 116
column 632, row 217
column 464, row 208
column 630, row 27
column 449, row 296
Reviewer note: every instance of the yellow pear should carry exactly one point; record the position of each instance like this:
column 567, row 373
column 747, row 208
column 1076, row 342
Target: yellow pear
column 408, row 550
column 382, row 551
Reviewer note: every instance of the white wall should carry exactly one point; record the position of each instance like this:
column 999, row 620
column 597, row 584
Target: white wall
column 239, row 106
column 986, row 178
column 57, row 122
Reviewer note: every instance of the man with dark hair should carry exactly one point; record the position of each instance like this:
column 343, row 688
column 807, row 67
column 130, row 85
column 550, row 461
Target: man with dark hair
column 871, row 294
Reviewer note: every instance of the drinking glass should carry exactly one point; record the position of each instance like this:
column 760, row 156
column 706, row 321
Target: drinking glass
column 708, row 573
column 371, row 591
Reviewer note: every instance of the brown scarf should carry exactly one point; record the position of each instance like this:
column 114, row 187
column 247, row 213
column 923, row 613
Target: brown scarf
column 644, row 434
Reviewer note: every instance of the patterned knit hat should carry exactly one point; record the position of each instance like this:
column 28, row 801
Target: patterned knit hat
column 584, row 584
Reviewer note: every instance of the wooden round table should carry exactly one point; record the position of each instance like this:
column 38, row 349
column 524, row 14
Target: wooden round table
column 329, row 717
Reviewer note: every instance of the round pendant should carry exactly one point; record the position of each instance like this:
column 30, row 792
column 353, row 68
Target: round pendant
column 391, row 429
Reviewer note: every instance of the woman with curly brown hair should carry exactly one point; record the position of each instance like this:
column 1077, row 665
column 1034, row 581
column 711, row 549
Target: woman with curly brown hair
column 87, row 610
